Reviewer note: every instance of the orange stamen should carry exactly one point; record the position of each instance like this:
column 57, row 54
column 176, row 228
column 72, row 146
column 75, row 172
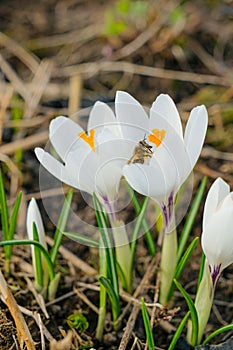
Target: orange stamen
column 90, row 139
column 157, row 136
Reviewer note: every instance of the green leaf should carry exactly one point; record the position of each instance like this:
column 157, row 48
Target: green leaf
column 107, row 242
column 82, row 239
column 4, row 209
column 123, row 6
column 53, row 285
column 102, row 293
column 185, row 258
column 182, row 263
column 146, row 321
column 202, row 266
column 35, row 243
column 193, row 312
column 112, row 25
column 136, row 230
column 121, row 274
column 61, row 226
column 177, row 14
column 113, row 297
column 217, row 332
column 78, row 321
column 178, row 331
column 138, row 8
column 148, row 235
column 14, row 215
column 13, row 222
column 191, row 218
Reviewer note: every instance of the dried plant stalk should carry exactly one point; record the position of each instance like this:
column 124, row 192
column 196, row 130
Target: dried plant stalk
column 23, row 333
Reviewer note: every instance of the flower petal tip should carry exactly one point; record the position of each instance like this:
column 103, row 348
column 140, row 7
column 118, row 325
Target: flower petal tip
column 125, row 97
column 39, row 152
column 56, row 123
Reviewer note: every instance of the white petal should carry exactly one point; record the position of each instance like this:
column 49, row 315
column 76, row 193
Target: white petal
column 152, row 181
column 218, row 191
column 164, row 107
column 33, row 215
column 217, row 238
column 195, row 133
column 101, row 117
column 107, row 180
column 228, row 201
column 116, row 150
column 67, row 174
column 63, row 134
column 172, row 148
column 131, row 116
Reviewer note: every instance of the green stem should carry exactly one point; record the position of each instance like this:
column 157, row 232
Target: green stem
column 107, row 243
column 148, row 235
column 102, row 294
column 203, row 304
column 168, row 264
column 123, row 252
column 137, row 226
column 61, row 226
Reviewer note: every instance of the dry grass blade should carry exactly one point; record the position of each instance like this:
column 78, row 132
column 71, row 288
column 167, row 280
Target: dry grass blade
column 72, row 37
column 133, row 316
column 24, row 144
column 37, row 318
column 38, row 86
column 5, row 99
column 208, row 60
column 30, row 60
column 92, row 69
column 15, row 174
column 64, row 344
column 17, row 83
column 150, row 32
column 24, row 336
column 75, row 94
column 38, row 297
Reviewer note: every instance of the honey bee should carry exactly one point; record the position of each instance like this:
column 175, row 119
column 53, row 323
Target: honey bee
column 141, row 152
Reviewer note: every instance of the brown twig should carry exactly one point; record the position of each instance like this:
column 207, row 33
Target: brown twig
column 38, row 86
column 17, row 83
column 89, row 70
column 26, row 143
column 4, row 104
column 23, row 334
column 133, row 316
column 30, row 60
column 75, row 95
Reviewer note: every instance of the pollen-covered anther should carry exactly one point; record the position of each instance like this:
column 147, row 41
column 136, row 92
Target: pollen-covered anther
column 89, row 139
column 157, row 136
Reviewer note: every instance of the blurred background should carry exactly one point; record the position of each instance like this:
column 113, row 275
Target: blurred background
column 58, row 57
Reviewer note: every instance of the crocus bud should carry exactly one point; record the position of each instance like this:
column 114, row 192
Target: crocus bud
column 217, row 236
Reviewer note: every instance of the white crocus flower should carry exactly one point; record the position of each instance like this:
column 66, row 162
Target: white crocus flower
column 174, row 154
column 34, row 216
column 92, row 160
column 217, row 244
column 159, row 170
column 217, row 236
